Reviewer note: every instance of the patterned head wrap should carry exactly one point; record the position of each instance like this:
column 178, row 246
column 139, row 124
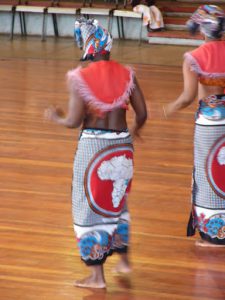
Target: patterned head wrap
column 92, row 38
column 210, row 19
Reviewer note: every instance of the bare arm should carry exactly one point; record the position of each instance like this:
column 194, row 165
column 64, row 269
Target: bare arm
column 189, row 91
column 75, row 113
column 138, row 103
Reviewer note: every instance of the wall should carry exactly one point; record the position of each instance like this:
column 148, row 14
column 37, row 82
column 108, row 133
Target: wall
column 66, row 25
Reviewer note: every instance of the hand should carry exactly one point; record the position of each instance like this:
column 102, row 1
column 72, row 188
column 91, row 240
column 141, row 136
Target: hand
column 169, row 110
column 53, row 113
column 135, row 133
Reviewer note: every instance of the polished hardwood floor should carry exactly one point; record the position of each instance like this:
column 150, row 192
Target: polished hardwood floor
column 39, row 258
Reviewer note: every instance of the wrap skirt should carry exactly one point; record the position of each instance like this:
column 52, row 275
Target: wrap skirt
column 208, row 191
column 102, row 176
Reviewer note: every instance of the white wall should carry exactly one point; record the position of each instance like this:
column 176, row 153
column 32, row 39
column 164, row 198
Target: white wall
column 66, row 25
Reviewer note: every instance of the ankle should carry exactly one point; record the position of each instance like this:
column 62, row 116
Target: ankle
column 98, row 273
column 125, row 259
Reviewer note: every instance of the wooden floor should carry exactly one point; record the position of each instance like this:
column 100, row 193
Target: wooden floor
column 39, row 258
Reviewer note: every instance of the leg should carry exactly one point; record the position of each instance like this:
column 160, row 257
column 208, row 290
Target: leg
column 122, row 27
column 12, row 23
column 123, row 265
column 120, row 245
column 21, row 23
column 202, row 243
column 94, row 248
column 118, row 26
column 96, row 280
column 44, row 26
column 55, row 25
column 24, row 23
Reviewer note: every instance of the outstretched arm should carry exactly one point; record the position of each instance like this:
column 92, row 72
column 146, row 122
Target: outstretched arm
column 189, row 91
column 138, row 103
column 74, row 116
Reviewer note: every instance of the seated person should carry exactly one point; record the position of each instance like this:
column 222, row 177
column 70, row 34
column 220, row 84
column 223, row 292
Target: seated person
column 152, row 17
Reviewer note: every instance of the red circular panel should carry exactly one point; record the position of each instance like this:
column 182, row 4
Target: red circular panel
column 99, row 191
column 216, row 167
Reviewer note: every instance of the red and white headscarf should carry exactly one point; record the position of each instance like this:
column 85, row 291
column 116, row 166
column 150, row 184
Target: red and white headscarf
column 93, row 38
column 209, row 19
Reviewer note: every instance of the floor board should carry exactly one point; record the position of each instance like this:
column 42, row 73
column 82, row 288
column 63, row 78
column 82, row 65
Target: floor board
column 39, row 258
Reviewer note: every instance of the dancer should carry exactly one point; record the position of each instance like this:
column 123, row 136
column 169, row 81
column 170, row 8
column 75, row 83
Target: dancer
column 204, row 77
column 103, row 167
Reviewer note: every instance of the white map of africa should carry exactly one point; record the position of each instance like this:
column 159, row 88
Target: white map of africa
column 221, row 156
column 119, row 169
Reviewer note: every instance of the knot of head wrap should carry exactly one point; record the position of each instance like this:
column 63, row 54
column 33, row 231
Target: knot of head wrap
column 209, row 19
column 92, row 38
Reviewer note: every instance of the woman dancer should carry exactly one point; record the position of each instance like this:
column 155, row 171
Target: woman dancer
column 204, row 77
column 103, row 167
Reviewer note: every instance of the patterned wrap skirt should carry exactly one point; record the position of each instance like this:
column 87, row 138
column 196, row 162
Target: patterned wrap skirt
column 102, row 176
column 208, row 193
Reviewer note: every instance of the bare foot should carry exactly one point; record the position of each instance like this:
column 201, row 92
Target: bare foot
column 123, row 266
column 202, row 243
column 95, row 281
column 90, row 282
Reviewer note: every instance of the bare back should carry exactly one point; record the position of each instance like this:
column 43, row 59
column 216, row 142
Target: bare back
column 205, row 90
column 115, row 120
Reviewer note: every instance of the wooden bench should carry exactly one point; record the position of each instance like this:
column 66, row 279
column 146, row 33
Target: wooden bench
column 34, row 7
column 64, row 8
column 9, row 6
column 120, row 15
